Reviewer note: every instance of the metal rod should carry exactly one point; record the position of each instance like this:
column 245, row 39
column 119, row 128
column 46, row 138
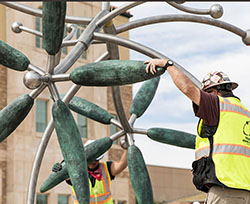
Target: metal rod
column 37, row 162
column 50, row 64
column 66, row 43
column 73, row 42
column 31, row 31
column 119, row 108
column 70, row 59
column 182, row 18
column 60, row 77
column 33, row 94
column 73, row 28
column 140, row 131
column 38, row 13
column 144, row 50
column 104, row 56
column 132, row 119
column 87, row 36
column 130, row 139
column 113, row 50
column 117, row 12
column 53, row 91
column 117, row 135
column 58, row 57
column 188, row 9
column 106, row 5
column 34, row 68
column 116, row 123
column 82, row 45
column 130, row 136
column 45, row 78
column 69, row 95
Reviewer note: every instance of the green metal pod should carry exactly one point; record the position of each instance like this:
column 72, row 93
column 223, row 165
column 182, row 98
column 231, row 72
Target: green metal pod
column 92, row 151
column 13, row 114
column 112, row 73
column 53, row 20
column 90, row 110
column 172, row 137
column 54, row 179
column 72, row 149
column 97, row 148
column 144, row 97
column 139, row 176
column 12, row 58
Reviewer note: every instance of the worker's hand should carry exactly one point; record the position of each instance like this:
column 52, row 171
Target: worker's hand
column 57, row 167
column 151, row 64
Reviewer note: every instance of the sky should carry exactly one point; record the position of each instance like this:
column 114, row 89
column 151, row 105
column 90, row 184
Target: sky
column 199, row 48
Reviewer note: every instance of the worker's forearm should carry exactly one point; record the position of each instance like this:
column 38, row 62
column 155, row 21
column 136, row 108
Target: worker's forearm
column 181, row 81
column 184, row 84
column 123, row 159
column 118, row 167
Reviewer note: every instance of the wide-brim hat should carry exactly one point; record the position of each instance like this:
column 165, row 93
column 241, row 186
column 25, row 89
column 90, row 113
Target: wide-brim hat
column 216, row 78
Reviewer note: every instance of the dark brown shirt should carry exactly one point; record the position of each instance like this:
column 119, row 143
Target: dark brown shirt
column 208, row 110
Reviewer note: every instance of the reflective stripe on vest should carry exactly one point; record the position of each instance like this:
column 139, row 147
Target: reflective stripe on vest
column 226, row 106
column 74, row 196
column 103, row 198
column 231, row 145
column 100, row 198
column 224, row 149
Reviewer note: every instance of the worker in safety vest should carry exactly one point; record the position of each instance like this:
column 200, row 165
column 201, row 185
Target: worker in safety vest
column 222, row 151
column 100, row 176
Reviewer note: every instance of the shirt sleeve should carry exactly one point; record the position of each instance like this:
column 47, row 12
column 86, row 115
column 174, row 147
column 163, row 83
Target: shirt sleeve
column 208, row 110
column 109, row 169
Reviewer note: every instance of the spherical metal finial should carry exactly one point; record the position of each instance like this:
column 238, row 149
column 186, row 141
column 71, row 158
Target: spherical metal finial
column 15, row 27
column 246, row 39
column 32, row 80
column 216, row 11
column 69, row 27
column 179, row 1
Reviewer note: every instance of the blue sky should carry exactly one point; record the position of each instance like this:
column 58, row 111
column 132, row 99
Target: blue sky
column 199, row 49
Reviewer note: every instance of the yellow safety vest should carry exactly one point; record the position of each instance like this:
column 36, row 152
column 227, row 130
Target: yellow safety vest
column 231, row 144
column 101, row 192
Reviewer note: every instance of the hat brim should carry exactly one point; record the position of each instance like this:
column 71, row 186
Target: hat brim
column 234, row 85
column 99, row 158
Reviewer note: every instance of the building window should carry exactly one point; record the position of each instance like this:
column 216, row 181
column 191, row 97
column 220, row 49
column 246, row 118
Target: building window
column 38, row 27
column 121, row 202
column 78, row 33
column 82, row 125
column 41, row 115
column 62, row 199
column 41, row 199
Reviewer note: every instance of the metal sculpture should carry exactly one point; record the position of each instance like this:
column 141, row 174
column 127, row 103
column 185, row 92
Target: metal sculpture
column 115, row 72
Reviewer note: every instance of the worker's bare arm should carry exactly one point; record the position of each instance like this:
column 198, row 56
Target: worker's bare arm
column 182, row 82
column 118, row 167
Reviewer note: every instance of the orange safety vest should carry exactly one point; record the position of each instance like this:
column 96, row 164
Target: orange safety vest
column 101, row 192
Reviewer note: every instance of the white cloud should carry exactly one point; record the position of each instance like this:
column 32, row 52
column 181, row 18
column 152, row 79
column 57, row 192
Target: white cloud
column 199, row 49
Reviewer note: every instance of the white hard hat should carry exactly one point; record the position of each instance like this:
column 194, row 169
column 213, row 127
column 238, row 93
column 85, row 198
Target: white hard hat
column 89, row 142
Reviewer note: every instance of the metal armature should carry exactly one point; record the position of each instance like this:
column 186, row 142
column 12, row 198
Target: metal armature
column 101, row 30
